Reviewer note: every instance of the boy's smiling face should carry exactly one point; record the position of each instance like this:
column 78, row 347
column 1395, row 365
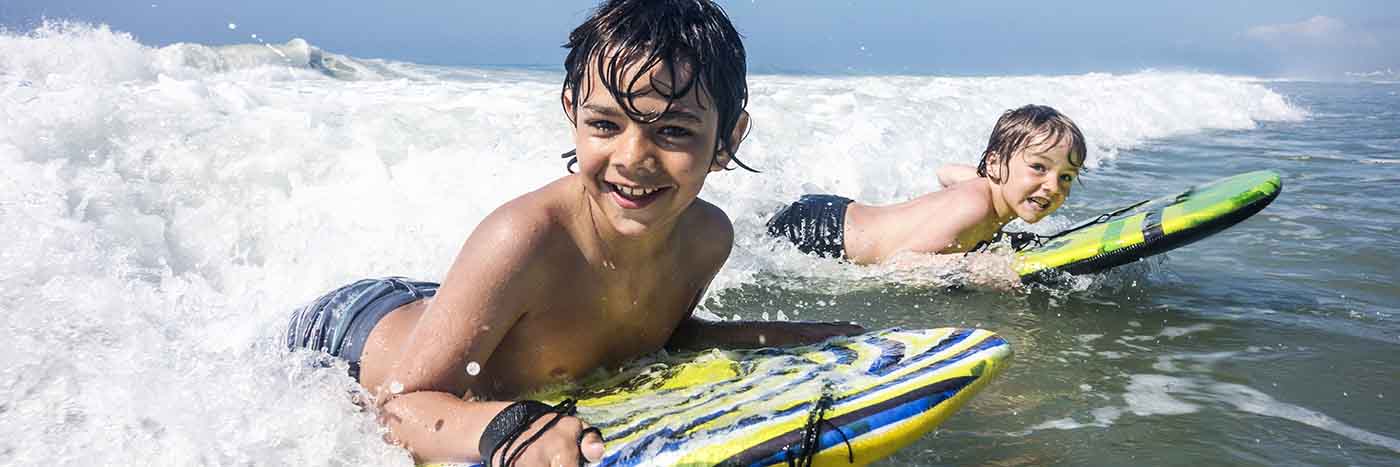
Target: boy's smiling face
column 1040, row 179
column 642, row 175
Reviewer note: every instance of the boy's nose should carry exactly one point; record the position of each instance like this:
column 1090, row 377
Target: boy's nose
column 636, row 153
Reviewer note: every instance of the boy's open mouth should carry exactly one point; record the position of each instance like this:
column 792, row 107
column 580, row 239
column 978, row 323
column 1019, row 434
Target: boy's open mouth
column 1039, row 202
column 635, row 197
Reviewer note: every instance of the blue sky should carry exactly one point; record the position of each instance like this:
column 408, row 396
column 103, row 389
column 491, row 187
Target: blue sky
column 1292, row 38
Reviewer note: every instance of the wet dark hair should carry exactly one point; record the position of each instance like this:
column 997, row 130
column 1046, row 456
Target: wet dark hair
column 651, row 33
column 1030, row 125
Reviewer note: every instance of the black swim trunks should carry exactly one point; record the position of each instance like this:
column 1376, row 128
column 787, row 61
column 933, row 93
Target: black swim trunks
column 814, row 223
column 339, row 322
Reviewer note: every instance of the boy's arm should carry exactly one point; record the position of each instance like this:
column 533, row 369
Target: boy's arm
column 989, row 270
column 694, row 333
column 952, row 174
column 697, row 334
column 424, row 399
column 944, row 249
column 956, row 227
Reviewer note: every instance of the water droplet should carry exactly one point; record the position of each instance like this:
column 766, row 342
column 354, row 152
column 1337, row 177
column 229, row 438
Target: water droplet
column 473, row 368
column 232, row 26
column 762, row 339
column 396, row 388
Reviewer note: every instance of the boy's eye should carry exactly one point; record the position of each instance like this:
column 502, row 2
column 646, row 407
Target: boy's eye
column 675, row 132
column 603, row 125
column 1038, row 167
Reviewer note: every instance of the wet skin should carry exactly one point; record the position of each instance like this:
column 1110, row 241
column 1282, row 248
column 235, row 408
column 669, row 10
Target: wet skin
column 1034, row 183
column 591, row 270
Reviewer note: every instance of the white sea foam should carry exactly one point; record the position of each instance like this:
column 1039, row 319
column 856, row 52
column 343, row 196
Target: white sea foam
column 1161, row 395
column 164, row 208
column 1172, row 332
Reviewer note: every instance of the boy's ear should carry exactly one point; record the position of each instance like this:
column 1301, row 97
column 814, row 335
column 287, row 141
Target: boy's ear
column 723, row 155
column 994, row 166
column 569, row 108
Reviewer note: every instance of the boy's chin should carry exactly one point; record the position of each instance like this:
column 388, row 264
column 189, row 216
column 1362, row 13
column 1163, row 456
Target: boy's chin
column 1032, row 217
column 631, row 227
column 628, row 226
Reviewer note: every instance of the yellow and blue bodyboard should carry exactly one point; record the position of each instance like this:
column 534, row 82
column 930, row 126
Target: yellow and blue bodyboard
column 884, row 390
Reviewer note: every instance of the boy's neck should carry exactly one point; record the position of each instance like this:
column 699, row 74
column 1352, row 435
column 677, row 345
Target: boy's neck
column 603, row 246
column 1004, row 213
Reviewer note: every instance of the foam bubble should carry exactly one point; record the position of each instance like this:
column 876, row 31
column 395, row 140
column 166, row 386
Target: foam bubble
column 1152, row 395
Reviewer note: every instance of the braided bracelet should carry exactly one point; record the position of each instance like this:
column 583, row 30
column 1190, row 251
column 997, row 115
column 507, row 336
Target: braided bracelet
column 507, row 426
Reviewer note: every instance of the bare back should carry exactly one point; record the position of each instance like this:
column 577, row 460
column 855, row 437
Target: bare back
column 951, row 220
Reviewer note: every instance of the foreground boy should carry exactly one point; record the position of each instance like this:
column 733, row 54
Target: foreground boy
column 596, row 268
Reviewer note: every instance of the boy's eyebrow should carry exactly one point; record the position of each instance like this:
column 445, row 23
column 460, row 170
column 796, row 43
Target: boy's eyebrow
column 681, row 113
column 598, row 109
column 675, row 113
column 1047, row 159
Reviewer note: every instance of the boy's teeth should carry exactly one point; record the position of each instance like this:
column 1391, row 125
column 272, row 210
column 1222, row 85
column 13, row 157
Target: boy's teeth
column 635, row 192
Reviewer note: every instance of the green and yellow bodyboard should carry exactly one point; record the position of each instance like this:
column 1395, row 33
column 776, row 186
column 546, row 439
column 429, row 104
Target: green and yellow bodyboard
column 1152, row 227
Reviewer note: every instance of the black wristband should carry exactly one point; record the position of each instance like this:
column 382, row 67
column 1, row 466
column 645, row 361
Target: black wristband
column 509, row 424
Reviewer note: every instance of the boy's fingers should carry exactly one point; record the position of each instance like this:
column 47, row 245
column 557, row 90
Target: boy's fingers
column 590, row 444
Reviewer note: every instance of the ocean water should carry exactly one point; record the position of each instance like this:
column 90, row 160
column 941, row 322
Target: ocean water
column 163, row 208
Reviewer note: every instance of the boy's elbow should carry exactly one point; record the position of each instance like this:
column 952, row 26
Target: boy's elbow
column 684, row 336
column 953, row 174
column 692, row 334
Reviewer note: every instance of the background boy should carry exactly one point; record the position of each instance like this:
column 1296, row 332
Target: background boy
column 1032, row 158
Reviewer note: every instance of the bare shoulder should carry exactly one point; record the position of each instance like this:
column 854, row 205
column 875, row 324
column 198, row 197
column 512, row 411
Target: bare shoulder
column 707, row 231
column 950, row 215
column 973, row 217
column 968, row 199
column 517, row 232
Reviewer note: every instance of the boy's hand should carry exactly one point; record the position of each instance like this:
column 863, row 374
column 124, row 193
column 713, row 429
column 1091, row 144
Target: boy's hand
column 996, row 272
column 560, row 446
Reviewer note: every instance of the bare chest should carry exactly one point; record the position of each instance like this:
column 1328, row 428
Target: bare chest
column 589, row 324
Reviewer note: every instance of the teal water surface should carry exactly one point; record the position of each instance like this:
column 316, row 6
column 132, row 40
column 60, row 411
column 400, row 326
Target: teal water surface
column 1272, row 343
